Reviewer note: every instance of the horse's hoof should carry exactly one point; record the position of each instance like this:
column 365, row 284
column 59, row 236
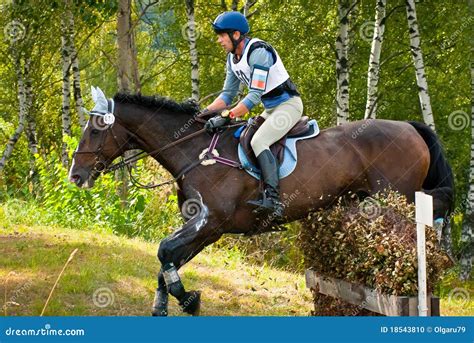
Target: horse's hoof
column 160, row 304
column 159, row 313
column 191, row 303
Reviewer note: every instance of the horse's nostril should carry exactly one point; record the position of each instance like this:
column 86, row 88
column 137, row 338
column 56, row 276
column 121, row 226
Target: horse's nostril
column 75, row 179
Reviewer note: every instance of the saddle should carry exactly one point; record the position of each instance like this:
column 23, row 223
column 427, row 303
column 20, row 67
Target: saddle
column 277, row 148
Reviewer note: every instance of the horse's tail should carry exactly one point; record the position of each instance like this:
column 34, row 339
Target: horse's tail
column 440, row 181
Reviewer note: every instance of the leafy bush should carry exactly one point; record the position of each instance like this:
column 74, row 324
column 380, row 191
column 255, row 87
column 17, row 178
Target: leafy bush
column 145, row 213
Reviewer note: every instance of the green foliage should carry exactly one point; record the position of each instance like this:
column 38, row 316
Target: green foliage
column 145, row 213
column 302, row 31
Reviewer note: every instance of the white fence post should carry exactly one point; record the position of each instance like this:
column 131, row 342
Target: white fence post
column 424, row 216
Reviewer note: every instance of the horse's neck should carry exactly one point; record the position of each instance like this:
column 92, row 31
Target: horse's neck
column 158, row 133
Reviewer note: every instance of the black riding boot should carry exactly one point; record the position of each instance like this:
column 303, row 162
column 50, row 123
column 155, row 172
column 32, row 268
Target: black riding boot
column 270, row 202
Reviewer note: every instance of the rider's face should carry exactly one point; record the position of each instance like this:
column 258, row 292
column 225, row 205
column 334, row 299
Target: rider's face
column 224, row 40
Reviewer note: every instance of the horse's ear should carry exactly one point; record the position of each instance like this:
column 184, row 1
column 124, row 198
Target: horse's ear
column 94, row 94
column 100, row 93
column 101, row 99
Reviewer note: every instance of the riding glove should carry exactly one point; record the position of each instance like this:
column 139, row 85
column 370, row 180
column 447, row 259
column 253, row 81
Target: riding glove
column 213, row 124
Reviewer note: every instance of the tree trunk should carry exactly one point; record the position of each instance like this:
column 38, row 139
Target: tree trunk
column 30, row 125
column 127, row 56
column 76, row 83
column 192, row 37
column 66, row 70
column 374, row 61
column 342, row 63
column 76, row 87
column 415, row 46
column 467, row 235
column 248, row 4
column 23, row 108
column 128, row 75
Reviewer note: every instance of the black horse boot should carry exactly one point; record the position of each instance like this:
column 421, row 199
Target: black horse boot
column 270, row 201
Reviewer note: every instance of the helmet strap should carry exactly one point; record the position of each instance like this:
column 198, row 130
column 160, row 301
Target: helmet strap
column 235, row 42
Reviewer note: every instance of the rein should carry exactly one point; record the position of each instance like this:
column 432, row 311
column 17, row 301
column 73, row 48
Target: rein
column 100, row 166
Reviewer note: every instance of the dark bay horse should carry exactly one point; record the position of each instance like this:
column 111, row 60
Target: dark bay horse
column 362, row 157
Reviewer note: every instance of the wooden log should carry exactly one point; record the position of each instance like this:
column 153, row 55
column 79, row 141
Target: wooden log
column 389, row 305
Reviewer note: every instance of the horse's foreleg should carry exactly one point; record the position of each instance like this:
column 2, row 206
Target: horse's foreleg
column 179, row 248
column 160, row 304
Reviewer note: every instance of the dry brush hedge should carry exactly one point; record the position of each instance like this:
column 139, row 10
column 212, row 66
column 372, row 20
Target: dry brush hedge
column 372, row 243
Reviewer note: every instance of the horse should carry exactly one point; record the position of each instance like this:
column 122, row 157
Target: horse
column 362, row 157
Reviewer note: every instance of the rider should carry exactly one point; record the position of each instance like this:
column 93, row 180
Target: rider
column 256, row 64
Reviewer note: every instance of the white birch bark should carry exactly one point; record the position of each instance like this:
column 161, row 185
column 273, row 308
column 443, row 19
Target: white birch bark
column 342, row 63
column 30, row 127
column 247, row 5
column 66, row 87
column 192, row 35
column 467, row 234
column 22, row 110
column 374, row 61
column 415, row 47
column 76, row 72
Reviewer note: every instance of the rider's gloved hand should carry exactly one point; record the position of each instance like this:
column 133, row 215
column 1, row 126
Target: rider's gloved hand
column 213, row 124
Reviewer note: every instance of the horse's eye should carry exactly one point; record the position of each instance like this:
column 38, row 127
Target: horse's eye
column 94, row 131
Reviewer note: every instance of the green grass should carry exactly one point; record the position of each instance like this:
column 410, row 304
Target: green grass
column 232, row 283
column 32, row 257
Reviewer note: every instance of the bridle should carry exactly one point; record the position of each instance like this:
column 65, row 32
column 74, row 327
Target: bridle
column 100, row 166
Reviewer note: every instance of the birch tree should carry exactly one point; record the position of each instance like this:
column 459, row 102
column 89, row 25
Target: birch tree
column 467, row 235
column 374, row 60
column 191, row 35
column 76, row 74
column 247, row 6
column 66, row 43
column 342, row 63
column 23, row 108
column 30, row 126
column 415, row 47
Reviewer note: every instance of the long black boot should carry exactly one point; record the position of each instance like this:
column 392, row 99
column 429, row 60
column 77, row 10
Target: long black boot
column 270, row 202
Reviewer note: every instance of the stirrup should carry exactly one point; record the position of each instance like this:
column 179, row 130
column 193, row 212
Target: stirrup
column 268, row 205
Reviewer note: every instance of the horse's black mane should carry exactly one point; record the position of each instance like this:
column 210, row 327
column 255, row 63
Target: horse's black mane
column 189, row 106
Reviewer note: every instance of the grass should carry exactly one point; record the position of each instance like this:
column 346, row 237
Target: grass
column 108, row 267
column 116, row 276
